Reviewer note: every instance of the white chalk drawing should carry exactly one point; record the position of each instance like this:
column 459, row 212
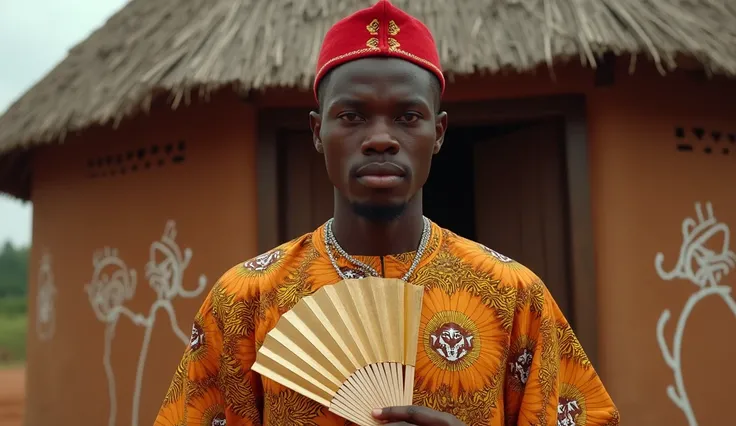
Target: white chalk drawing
column 45, row 300
column 113, row 284
column 704, row 267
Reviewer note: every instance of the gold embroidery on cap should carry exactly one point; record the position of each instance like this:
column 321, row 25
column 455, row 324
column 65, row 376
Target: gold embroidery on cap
column 373, row 27
column 393, row 29
column 372, row 45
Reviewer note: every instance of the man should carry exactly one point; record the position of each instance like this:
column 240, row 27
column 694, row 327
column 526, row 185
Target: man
column 494, row 347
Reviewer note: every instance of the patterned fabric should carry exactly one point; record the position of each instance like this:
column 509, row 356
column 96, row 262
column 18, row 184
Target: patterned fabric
column 494, row 347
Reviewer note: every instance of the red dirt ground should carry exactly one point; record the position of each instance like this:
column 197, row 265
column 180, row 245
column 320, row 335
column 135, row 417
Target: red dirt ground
column 12, row 395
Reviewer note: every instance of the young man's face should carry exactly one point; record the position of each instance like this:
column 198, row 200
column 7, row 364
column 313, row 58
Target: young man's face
column 378, row 128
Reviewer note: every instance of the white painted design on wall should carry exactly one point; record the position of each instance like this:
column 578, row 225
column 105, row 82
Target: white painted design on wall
column 113, row 284
column 45, row 300
column 705, row 267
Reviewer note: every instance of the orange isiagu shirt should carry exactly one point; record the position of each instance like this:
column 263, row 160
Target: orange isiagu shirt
column 494, row 348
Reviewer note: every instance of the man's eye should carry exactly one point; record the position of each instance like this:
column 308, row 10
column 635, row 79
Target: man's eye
column 409, row 118
column 350, row 117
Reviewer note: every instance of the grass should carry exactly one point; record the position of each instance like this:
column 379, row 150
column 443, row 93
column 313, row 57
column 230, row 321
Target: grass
column 13, row 330
column 13, row 305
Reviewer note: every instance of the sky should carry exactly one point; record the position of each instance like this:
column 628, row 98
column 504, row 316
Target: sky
column 35, row 35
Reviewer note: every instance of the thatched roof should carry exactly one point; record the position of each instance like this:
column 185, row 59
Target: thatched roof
column 191, row 47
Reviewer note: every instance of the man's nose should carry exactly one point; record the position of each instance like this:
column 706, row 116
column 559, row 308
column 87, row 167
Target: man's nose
column 380, row 141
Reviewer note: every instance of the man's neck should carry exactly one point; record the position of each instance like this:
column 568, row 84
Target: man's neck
column 361, row 237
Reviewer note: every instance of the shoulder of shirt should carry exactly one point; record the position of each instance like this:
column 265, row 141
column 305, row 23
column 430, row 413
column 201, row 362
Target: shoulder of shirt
column 239, row 278
column 487, row 260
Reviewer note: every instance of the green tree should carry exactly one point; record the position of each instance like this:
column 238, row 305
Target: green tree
column 13, row 270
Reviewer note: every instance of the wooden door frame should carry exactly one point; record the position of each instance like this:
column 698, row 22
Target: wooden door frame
column 570, row 108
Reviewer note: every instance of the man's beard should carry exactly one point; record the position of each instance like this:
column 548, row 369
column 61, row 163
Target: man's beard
column 379, row 213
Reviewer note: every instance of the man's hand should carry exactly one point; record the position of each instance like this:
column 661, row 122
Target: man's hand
column 415, row 415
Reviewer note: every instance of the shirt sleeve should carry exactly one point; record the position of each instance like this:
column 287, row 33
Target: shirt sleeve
column 550, row 379
column 213, row 383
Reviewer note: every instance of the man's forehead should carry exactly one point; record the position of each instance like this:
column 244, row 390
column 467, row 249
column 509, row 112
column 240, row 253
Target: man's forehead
column 377, row 94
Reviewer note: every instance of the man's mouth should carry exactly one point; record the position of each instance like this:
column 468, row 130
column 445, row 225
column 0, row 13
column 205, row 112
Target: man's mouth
column 381, row 175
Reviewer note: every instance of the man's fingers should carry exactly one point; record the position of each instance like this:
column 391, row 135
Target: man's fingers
column 412, row 414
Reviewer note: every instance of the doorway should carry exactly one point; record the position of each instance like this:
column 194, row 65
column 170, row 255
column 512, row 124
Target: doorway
column 501, row 185
column 540, row 192
column 504, row 186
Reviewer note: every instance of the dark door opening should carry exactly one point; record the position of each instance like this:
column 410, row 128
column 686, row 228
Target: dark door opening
column 448, row 196
column 501, row 185
column 504, row 186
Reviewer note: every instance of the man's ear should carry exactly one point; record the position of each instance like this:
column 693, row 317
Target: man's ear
column 315, row 123
column 440, row 127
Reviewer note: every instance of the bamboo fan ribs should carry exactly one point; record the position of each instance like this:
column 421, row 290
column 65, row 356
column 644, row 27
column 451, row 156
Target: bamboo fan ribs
column 350, row 346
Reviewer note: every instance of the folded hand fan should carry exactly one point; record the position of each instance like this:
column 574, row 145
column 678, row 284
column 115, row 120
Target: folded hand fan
column 350, row 346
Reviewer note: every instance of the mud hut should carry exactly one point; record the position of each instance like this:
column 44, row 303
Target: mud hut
column 593, row 141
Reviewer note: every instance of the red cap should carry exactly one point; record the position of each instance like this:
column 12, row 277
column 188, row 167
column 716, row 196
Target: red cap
column 380, row 30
